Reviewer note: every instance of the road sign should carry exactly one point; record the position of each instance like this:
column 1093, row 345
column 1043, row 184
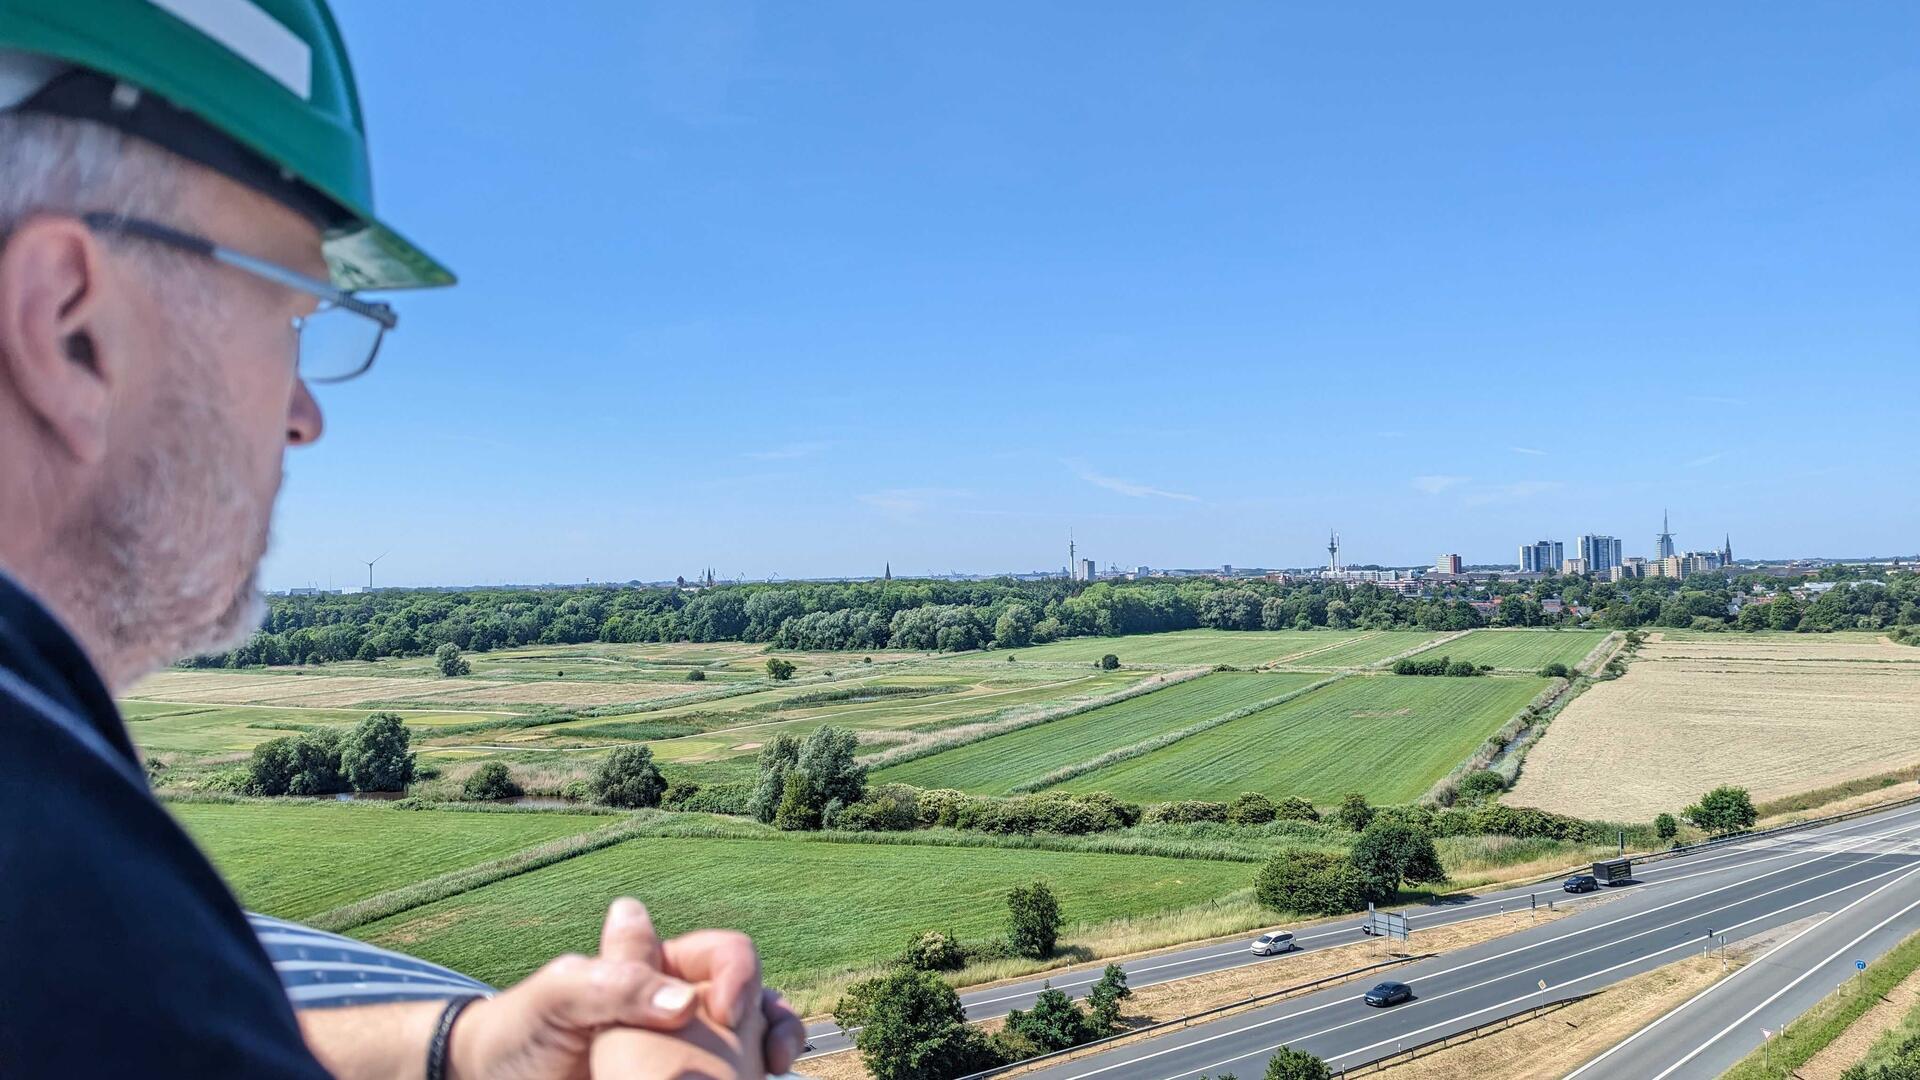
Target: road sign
column 1386, row 924
column 1859, row 965
column 1543, row 984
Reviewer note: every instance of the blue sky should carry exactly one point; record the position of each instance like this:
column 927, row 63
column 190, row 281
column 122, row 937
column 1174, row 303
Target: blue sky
column 800, row 289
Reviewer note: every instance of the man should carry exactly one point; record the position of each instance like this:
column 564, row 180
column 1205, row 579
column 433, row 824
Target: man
column 183, row 199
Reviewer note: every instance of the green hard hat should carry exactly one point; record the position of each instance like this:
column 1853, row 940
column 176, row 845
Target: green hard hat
column 266, row 80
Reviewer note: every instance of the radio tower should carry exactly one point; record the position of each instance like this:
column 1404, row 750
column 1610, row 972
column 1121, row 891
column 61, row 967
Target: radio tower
column 1073, row 565
column 1333, row 552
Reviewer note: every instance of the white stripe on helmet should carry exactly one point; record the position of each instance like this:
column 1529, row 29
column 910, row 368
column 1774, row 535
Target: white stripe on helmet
column 252, row 35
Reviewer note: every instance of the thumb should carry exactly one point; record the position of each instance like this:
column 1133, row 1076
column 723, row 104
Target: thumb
column 576, row 993
column 628, row 934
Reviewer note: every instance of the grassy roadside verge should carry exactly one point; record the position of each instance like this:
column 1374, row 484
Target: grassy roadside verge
column 1819, row 1026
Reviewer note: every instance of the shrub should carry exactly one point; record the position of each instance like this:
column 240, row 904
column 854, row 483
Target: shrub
column 307, row 764
column 697, row 675
column 781, row 670
column 1555, row 670
column 1308, row 882
column 1481, row 784
column 1185, row 812
column 448, row 659
column 719, row 799
column 576, row 790
column 1665, row 827
column 1389, row 852
column 1251, row 808
column 375, row 755
column 1105, row 998
column 1109, row 662
column 627, row 777
column 1725, row 809
column 909, row 1025
column 1354, row 813
column 1295, row 808
column 940, row 806
column 1290, row 1064
column 888, row 808
column 491, row 781
column 934, row 950
column 1055, row 1023
column 1462, row 669
column 796, row 812
column 1033, row 920
column 677, row 793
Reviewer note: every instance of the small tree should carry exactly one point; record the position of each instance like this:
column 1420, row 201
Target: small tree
column 1308, row 882
column 780, row 756
column 1725, row 809
column 1055, row 1022
column 1033, row 920
column 910, row 1025
column 306, row 764
column 781, row 670
column 1665, row 827
column 934, row 951
column 1481, row 784
column 628, row 777
column 1389, row 852
column 448, row 659
column 1251, row 808
column 1295, row 808
column 1290, row 1064
column 491, row 781
column 1354, row 813
column 1109, row 662
column 697, row 675
column 1555, row 670
column 375, row 755
column 1105, row 998
column 796, row 811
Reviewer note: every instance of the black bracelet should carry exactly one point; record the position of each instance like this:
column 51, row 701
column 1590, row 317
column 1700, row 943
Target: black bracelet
column 443, row 1034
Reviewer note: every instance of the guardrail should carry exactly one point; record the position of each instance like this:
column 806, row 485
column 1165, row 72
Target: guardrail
column 1402, row 1054
column 1190, row 1017
column 1718, row 842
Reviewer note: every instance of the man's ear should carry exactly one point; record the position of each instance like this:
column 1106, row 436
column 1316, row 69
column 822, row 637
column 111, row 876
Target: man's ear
column 53, row 279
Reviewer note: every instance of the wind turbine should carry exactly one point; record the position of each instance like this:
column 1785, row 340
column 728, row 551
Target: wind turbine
column 370, row 563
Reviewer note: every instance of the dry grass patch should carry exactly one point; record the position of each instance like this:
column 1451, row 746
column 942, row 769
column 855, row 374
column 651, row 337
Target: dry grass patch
column 556, row 692
column 1853, row 1043
column 1782, row 718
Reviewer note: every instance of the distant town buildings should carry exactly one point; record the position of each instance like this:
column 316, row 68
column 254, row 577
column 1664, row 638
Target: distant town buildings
column 1083, row 570
column 1600, row 553
column 1447, row 564
column 1542, row 557
column 1573, row 566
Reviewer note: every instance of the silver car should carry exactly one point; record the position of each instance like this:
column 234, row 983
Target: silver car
column 1277, row 942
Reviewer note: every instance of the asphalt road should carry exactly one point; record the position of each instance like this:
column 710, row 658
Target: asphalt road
column 1742, row 889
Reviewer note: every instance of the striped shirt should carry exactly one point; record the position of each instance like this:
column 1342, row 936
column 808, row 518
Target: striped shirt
column 321, row 970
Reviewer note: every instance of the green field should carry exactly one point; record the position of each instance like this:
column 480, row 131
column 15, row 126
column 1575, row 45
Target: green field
column 298, row 859
column 1523, row 650
column 995, row 766
column 1185, row 648
column 159, row 727
column 813, row 908
column 1367, row 649
column 1389, row 737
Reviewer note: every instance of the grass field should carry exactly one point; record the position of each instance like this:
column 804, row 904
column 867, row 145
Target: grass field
column 299, row 859
column 1364, row 651
column 995, row 766
column 170, row 728
column 1523, row 650
column 1777, row 714
column 1388, row 737
column 813, row 908
column 1185, row 648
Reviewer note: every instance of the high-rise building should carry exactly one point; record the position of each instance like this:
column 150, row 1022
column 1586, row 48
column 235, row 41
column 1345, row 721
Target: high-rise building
column 1447, row 564
column 1542, row 557
column 1663, row 546
column 1083, row 570
column 1574, row 566
column 1602, row 553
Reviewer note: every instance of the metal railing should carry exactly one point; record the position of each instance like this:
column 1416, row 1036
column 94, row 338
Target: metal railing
column 1402, row 1054
column 1188, row 1018
column 1778, row 830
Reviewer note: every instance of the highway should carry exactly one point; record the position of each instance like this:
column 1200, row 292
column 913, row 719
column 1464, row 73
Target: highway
column 1740, row 890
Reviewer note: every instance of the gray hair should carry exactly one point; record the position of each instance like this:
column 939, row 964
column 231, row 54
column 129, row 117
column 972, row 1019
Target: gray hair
column 52, row 163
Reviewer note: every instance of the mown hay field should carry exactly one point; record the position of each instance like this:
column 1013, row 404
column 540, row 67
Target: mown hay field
column 997, row 765
column 167, row 728
column 1184, row 648
column 1523, row 650
column 814, row 908
column 1388, row 737
column 1777, row 715
column 1366, row 650
column 298, row 859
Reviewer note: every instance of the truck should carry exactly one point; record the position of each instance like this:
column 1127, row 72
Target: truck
column 1614, row 871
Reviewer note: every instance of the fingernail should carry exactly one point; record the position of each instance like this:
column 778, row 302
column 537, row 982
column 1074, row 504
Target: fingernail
column 672, row 996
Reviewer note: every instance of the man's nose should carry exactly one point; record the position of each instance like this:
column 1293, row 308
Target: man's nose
column 304, row 423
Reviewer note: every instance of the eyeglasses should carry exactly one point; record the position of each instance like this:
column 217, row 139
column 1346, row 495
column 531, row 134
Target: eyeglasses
column 335, row 343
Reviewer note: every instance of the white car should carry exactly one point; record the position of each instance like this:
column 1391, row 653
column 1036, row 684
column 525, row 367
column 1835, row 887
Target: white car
column 1277, row 942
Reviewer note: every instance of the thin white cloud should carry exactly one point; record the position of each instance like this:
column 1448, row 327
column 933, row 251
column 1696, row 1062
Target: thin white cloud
column 912, row 500
column 788, row 452
column 1702, row 462
column 1127, row 487
column 1434, row 485
column 1528, row 450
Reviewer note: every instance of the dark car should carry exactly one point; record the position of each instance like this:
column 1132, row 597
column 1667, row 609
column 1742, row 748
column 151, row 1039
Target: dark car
column 1389, row 993
column 1582, row 883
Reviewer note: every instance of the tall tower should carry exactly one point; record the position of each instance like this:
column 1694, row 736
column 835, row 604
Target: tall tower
column 888, row 576
column 1073, row 558
column 1663, row 547
column 1726, row 551
column 1333, row 552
